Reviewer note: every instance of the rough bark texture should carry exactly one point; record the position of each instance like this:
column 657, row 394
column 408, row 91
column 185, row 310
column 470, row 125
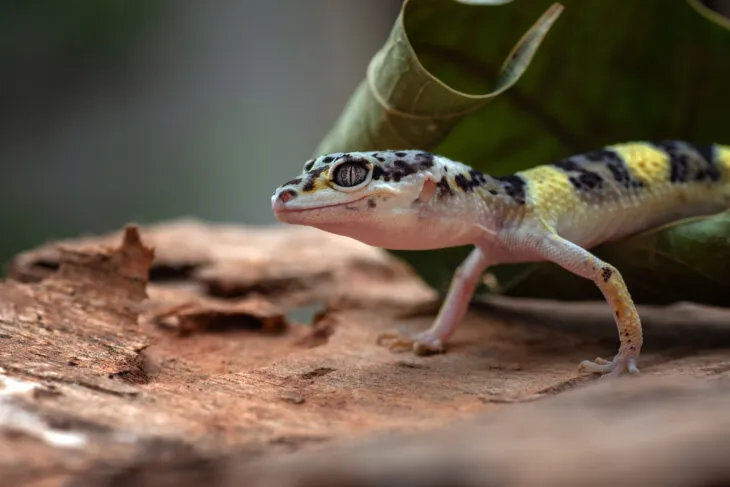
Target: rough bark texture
column 192, row 354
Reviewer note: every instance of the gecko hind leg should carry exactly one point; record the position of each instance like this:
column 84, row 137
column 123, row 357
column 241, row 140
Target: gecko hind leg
column 608, row 279
column 452, row 311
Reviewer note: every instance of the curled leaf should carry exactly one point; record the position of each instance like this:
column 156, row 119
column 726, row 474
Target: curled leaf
column 710, row 14
column 400, row 104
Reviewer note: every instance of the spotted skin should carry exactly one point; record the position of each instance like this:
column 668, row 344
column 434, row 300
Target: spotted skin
column 554, row 212
column 599, row 175
column 690, row 163
column 515, row 187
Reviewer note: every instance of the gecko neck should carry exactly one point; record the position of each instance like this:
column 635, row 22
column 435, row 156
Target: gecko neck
column 470, row 205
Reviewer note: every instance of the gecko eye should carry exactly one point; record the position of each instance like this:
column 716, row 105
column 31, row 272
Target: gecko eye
column 351, row 173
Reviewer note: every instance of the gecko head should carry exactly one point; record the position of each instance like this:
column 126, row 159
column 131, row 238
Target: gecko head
column 357, row 194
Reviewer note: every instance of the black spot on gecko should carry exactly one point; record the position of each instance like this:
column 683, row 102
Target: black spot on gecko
column 372, row 203
column 514, row 186
column 591, row 172
column 677, row 161
column 584, row 180
column 587, row 181
column 568, row 165
column 401, row 164
column 477, row 176
column 444, row 188
column 709, row 156
column 606, row 273
column 400, row 154
column 424, row 160
column 395, row 170
column 293, row 182
column 478, row 179
column 404, row 168
column 328, row 159
column 308, row 166
column 377, row 173
column 689, row 162
column 313, row 175
column 462, row 182
column 616, row 166
column 377, row 156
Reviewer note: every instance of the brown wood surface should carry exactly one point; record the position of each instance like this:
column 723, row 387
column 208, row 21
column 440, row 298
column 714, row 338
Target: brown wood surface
column 193, row 354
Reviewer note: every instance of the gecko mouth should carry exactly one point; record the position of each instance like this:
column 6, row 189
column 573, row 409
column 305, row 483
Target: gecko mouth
column 282, row 209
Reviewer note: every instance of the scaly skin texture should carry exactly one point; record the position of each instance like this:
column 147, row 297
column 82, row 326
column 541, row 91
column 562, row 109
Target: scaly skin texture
column 415, row 200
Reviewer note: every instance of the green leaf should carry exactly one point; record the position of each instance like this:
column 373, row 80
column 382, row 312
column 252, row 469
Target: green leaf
column 484, row 2
column 610, row 71
column 660, row 266
column 710, row 14
column 400, row 104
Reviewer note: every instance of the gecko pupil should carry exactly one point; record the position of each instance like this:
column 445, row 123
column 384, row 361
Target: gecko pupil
column 350, row 174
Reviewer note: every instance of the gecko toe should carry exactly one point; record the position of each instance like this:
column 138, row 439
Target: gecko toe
column 427, row 346
column 614, row 368
column 420, row 344
column 599, row 366
column 632, row 368
column 394, row 341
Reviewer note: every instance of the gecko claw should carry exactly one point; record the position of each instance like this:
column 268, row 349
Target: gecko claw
column 421, row 344
column 427, row 344
column 621, row 364
column 394, row 341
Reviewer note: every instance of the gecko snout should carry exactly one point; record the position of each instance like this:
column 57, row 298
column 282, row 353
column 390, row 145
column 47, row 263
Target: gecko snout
column 281, row 198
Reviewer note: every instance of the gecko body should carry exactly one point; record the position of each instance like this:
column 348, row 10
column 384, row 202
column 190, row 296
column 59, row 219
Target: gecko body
column 416, row 200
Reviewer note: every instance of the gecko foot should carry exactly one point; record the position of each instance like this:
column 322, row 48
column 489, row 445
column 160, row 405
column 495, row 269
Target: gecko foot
column 623, row 362
column 423, row 343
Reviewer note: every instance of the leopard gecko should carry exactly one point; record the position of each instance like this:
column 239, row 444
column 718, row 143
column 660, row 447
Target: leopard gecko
column 417, row 200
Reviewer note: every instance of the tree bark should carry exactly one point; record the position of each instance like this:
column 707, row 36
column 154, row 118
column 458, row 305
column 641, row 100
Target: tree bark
column 193, row 354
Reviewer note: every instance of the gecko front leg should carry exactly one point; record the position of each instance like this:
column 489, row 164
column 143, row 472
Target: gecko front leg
column 462, row 287
column 581, row 262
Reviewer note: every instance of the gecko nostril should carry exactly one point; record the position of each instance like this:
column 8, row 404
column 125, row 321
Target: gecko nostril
column 287, row 195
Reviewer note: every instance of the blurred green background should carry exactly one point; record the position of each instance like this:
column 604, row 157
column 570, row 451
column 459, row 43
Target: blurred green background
column 142, row 110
